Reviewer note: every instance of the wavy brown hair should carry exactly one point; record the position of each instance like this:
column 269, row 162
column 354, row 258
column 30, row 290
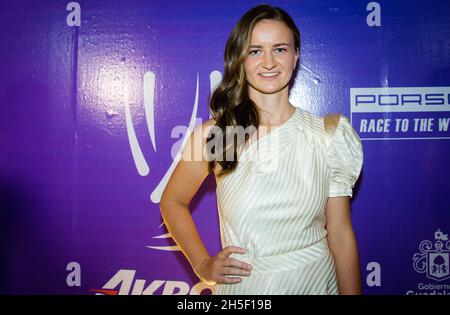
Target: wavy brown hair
column 230, row 104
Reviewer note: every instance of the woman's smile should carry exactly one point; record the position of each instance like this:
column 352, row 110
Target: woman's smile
column 269, row 75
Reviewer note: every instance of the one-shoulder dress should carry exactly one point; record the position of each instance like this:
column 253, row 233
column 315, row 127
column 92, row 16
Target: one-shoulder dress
column 273, row 205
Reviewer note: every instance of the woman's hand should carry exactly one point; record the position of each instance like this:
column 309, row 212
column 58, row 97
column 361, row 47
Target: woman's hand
column 212, row 270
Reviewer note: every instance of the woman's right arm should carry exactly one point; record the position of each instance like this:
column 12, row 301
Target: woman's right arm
column 191, row 171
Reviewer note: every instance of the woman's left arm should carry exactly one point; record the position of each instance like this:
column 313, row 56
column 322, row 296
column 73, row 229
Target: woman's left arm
column 342, row 244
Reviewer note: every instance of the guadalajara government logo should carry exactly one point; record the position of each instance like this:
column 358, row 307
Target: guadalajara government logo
column 433, row 259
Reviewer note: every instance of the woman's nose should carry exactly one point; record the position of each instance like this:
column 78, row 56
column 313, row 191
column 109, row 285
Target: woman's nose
column 268, row 61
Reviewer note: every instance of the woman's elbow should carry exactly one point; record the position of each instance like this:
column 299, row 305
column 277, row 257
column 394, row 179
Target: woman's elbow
column 341, row 235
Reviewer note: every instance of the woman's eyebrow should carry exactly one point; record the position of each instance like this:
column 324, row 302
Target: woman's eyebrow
column 276, row 45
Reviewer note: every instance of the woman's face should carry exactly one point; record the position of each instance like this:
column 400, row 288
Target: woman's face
column 271, row 59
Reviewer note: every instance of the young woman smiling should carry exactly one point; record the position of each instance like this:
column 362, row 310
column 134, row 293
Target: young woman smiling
column 284, row 210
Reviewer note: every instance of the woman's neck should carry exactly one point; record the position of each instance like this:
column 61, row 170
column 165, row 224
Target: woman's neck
column 274, row 109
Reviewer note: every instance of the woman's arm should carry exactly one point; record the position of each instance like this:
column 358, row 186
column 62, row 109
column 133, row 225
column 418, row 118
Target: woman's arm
column 184, row 183
column 342, row 243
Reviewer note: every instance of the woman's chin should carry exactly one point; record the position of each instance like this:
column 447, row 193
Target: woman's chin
column 266, row 88
column 269, row 89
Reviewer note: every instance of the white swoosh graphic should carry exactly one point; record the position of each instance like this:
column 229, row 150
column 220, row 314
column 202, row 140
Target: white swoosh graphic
column 214, row 79
column 149, row 101
column 138, row 157
column 169, row 248
column 167, row 235
column 155, row 196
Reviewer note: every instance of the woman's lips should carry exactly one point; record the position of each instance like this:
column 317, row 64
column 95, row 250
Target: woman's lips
column 269, row 75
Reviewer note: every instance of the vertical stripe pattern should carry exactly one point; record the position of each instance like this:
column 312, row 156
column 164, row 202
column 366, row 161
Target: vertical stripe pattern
column 274, row 203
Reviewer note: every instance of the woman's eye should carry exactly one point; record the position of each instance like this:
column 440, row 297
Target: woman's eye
column 281, row 49
column 252, row 52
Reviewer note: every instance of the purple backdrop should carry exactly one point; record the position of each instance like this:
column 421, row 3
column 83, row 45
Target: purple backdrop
column 96, row 98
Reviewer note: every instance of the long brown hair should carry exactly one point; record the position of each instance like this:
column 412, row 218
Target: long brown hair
column 230, row 104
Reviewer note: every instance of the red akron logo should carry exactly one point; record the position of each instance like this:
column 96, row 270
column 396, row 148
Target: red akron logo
column 124, row 283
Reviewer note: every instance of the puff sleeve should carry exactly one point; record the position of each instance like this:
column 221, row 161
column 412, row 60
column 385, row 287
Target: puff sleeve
column 344, row 157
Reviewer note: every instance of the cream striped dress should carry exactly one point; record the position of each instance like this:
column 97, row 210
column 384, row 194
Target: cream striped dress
column 274, row 203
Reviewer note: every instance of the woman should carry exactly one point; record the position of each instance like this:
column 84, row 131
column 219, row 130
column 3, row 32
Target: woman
column 285, row 212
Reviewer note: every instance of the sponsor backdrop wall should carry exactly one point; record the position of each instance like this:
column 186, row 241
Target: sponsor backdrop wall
column 96, row 98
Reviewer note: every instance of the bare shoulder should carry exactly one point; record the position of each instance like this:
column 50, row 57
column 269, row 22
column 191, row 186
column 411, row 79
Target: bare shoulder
column 191, row 169
column 209, row 123
column 204, row 129
column 195, row 148
column 200, row 132
column 331, row 122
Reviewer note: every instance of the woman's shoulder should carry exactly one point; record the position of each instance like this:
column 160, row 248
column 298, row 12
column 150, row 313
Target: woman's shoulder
column 311, row 121
column 203, row 132
column 344, row 154
column 203, row 129
column 326, row 128
column 331, row 122
column 321, row 125
column 197, row 139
